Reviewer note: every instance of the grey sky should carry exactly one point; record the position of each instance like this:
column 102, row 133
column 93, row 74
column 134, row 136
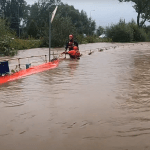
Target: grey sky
column 106, row 11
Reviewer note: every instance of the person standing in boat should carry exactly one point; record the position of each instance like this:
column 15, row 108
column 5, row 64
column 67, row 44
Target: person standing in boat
column 71, row 43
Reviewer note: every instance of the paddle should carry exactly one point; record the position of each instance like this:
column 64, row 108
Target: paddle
column 65, row 54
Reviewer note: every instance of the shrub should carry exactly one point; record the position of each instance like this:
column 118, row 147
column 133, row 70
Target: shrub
column 81, row 39
column 148, row 36
column 21, row 44
column 5, row 47
column 139, row 34
column 123, row 32
column 90, row 39
column 103, row 40
column 6, row 39
column 120, row 32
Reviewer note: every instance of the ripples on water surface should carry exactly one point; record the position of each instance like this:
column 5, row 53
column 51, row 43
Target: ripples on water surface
column 101, row 102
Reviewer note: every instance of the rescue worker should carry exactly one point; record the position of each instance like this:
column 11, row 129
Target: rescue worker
column 71, row 43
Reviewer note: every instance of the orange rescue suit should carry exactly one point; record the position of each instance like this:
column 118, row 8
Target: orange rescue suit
column 74, row 53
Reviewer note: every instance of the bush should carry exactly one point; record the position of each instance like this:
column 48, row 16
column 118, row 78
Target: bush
column 5, row 47
column 139, row 34
column 6, row 37
column 148, row 36
column 103, row 40
column 120, row 32
column 123, row 32
column 21, row 44
column 81, row 39
column 90, row 39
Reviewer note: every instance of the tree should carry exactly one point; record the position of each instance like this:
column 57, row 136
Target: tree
column 5, row 39
column 100, row 31
column 120, row 32
column 3, row 4
column 32, row 30
column 39, row 13
column 84, row 28
column 83, row 24
column 61, row 28
column 92, row 25
column 142, row 7
column 13, row 12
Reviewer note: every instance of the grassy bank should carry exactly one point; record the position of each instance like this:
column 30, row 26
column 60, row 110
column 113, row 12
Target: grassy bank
column 10, row 45
column 91, row 39
column 21, row 44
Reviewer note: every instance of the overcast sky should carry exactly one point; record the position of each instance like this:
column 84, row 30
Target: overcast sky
column 104, row 12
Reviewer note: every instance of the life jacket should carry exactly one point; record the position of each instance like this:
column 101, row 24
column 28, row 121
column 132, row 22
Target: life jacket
column 74, row 53
column 71, row 45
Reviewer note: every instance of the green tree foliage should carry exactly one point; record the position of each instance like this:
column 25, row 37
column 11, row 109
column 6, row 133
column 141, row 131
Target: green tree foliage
column 3, row 6
column 39, row 13
column 33, row 20
column 6, row 37
column 100, row 31
column 61, row 28
column 67, row 17
column 83, row 24
column 142, row 7
column 123, row 32
column 13, row 11
column 139, row 34
column 119, row 32
column 32, row 29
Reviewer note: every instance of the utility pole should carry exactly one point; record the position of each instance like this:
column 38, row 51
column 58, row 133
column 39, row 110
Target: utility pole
column 91, row 20
column 18, row 20
column 90, row 13
column 51, row 17
column 49, row 36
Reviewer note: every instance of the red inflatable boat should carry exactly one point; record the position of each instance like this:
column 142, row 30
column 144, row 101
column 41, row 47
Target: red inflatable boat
column 29, row 71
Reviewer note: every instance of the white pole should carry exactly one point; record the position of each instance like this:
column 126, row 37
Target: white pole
column 51, row 17
column 49, row 37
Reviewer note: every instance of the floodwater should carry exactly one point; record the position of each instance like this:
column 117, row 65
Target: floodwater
column 100, row 102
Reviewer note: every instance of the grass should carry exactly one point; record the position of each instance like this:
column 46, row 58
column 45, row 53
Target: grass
column 21, row 44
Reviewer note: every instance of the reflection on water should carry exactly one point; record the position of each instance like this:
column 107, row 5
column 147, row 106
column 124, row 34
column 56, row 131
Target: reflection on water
column 98, row 102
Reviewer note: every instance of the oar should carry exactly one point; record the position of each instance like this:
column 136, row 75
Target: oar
column 65, row 54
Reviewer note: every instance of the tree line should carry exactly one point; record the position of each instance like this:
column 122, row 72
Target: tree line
column 132, row 31
column 33, row 20
column 142, row 7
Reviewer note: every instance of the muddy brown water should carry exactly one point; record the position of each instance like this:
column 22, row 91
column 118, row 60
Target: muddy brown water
column 100, row 102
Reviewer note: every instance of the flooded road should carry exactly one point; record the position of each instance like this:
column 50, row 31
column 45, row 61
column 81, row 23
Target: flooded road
column 100, row 102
